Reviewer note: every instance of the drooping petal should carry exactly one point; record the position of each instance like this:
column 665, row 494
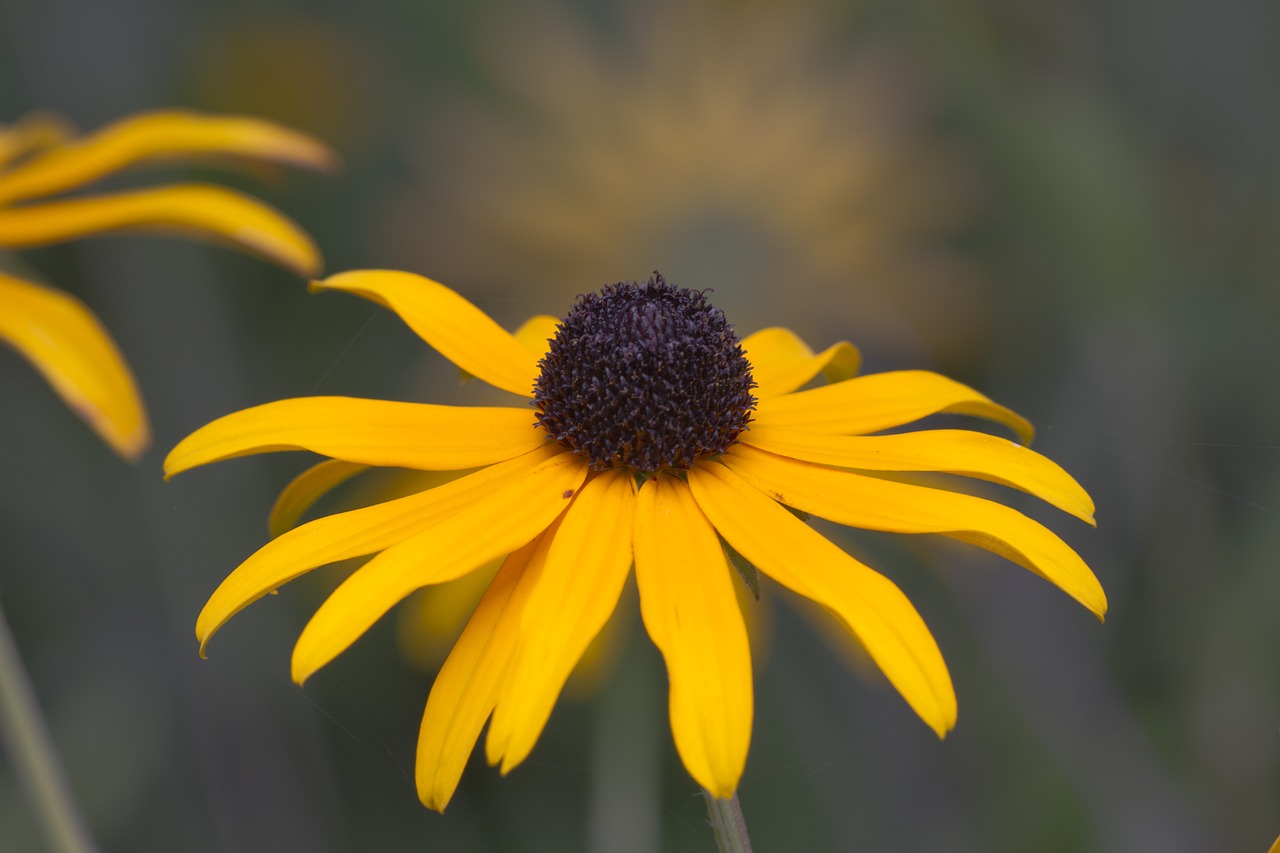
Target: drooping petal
column 880, row 401
column 31, row 133
column 67, row 344
column 470, row 680
column 160, row 136
column 954, row 451
column 781, row 362
column 857, row 500
column 533, row 333
column 691, row 612
column 353, row 534
column 869, row 604
column 537, row 332
column 506, row 516
column 576, row 592
column 368, row 432
column 458, row 330
column 307, row 488
column 189, row 210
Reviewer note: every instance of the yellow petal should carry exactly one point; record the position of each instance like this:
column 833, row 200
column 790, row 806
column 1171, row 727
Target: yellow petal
column 307, row 488
column 368, row 432
column 188, row 210
column 691, row 612
column 470, row 680
column 881, row 401
column 954, row 451
column 66, row 343
column 857, row 500
column 601, row 657
column 869, row 604
column 781, row 362
column 509, row 514
column 160, row 136
column 458, row 330
column 576, row 592
column 33, row 132
column 351, row 534
column 536, row 332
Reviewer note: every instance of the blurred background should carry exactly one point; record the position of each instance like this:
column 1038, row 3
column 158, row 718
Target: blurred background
column 1073, row 207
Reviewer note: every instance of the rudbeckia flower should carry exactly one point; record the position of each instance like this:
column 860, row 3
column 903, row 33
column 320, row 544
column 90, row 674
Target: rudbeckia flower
column 40, row 158
column 653, row 438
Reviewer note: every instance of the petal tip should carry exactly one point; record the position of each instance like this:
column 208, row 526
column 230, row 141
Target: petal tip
column 300, row 670
column 1095, row 601
column 132, row 447
column 321, row 158
column 172, row 465
column 431, row 801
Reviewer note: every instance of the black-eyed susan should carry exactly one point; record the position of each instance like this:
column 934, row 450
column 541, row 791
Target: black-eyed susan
column 41, row 158
column 654, row 438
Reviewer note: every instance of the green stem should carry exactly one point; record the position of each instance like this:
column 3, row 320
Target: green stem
column 726, row 820
column 27, row 742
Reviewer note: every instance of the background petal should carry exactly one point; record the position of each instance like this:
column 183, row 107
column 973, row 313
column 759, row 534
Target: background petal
column 307, row 488
column 160, row 136
column 67, row 344
column 31, row 133
column 781, row 362
column 190, row 210
column 537, row 332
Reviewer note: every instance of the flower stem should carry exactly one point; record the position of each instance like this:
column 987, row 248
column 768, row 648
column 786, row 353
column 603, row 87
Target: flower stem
column 726, row 819
column 27, row 742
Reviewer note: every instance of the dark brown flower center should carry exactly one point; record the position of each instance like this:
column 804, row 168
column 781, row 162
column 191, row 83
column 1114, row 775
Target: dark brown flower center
column 647, row 376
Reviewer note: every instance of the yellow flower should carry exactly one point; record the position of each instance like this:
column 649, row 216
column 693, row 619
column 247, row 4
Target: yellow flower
column 39, row 158
column 656, row 438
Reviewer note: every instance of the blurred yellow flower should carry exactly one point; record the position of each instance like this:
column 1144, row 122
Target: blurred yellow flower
column 658, row 439
column 749, row 145
column 40, row 158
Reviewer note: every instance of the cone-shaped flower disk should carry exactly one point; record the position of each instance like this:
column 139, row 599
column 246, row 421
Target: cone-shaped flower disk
column 655, row 437
column 39, row 158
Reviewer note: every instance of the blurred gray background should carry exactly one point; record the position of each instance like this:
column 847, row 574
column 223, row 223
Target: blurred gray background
column 1073, row 207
